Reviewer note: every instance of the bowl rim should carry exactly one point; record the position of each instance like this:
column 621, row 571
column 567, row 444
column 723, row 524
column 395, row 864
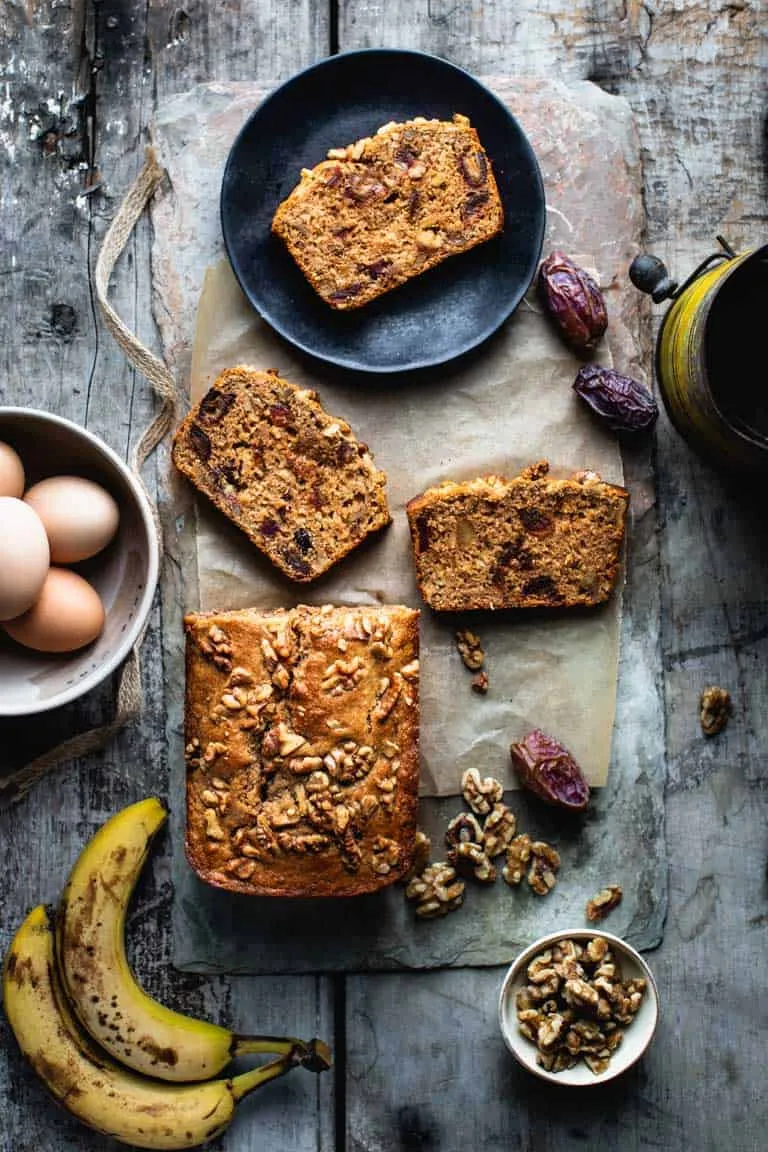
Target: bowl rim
column 135, row 629
column 513, row 1042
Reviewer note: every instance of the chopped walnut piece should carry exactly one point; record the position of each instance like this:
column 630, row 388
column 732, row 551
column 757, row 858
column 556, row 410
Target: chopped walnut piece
column 545, row 864
column 213, row 829
column 604, row 902
column 577, row 1017
column 422, row 850
column 716, row 710
column 389, row 694
column 577, row 993
column 499, row 829
column 463, row 829
column 518, row 855
column 436, row 891
column 385, row 855
column 216, row 647
column 479, row 794
column 470, row 649
column 470, row 858
column 480, row 683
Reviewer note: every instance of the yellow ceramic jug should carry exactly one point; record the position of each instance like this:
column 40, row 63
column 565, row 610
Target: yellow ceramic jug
column 711, row 354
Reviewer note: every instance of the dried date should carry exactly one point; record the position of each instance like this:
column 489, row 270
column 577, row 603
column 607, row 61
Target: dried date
column 215, row 405
column 548, row 770
column 414, row 203
column 348, row 293
column 620, row 401
column 423, row 530
column 473, row 204
column 200, row 443
column 303, row 540
column 377, row 268
column 297, row 564
column 573, row 300
column 474, row 169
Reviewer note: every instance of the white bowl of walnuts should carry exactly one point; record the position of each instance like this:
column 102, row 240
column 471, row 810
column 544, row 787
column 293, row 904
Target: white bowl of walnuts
column 578, row 1007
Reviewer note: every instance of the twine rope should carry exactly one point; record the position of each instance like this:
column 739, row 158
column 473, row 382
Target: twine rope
column 129, row 697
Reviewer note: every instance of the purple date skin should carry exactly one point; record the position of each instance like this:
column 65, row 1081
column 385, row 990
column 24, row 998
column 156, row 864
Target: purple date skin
column 548, row 770
column 622, row 403
column 573, row 300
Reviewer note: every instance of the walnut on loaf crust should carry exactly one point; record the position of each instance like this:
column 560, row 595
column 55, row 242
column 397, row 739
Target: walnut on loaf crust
column 526, row 542
column 385, row 209
column 294, row 478
column 302, row 748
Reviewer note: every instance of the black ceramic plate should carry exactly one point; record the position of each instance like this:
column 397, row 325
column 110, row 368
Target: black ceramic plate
column 433, row 318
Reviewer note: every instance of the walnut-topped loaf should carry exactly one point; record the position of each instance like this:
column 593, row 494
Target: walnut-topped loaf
column 292, row 477
column 302, row 748
column 526, row 542
column 387, row 208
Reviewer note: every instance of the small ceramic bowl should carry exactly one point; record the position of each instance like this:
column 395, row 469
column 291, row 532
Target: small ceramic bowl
column 637, row 1035
column 125, row 574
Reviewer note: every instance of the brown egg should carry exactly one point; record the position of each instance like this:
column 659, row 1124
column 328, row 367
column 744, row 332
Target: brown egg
column 67, row 615
column 79, row 516
column 24, row 557
column 11, row 472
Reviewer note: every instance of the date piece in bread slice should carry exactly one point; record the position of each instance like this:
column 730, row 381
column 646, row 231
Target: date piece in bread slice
column 525, row 542
column 387, row 208
column 292, row 477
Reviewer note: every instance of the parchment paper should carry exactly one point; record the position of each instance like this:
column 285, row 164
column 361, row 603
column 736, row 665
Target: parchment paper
column 588, row 150
column 512, row 405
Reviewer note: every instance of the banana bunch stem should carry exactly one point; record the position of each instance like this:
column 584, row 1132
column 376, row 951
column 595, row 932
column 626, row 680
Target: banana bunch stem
column 248, row 1082
column 315, row 1056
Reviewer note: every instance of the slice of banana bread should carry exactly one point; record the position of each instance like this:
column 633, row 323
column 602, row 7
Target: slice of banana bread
column 525, row 542
column 302, row 748
column 291, row 476
column 378, row 212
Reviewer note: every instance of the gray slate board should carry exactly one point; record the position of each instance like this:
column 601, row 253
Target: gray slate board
column 622, row 838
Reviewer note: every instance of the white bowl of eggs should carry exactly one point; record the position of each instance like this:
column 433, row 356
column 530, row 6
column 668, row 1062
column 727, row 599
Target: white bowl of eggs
column 79, row 561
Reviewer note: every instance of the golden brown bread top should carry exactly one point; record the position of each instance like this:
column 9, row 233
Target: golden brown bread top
column 302, row 748
column 385, row 209
column 526, row 542
column 294, row 478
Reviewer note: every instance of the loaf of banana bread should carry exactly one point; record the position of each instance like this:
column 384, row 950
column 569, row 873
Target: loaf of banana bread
column 302, row 748
column 291, row 476
column 526, row 542
column 390, row 206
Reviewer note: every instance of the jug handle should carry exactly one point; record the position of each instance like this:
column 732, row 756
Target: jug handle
column 650, row 275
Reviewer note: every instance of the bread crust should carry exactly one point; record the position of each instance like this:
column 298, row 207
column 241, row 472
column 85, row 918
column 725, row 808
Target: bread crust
column 292, row 477
column 389, row 207
column 526, row 542
column 302, row 748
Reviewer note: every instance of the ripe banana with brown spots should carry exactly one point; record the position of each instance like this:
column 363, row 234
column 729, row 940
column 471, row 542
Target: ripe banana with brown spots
column 92, row 1086
column 109, row 1003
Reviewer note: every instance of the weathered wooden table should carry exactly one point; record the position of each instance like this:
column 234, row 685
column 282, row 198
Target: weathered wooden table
column 419, row 1064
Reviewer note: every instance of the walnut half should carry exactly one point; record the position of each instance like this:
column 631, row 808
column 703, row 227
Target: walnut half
column 436, row 891
column 480, row 795
column 604, row 902
column 716, row 710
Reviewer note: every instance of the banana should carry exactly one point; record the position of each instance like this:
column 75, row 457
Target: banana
column 90, row 1085
column 119, row 1015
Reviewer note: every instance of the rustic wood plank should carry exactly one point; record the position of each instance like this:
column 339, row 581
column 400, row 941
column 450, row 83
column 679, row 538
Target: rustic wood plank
column 690, row 72
column 81, row 80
